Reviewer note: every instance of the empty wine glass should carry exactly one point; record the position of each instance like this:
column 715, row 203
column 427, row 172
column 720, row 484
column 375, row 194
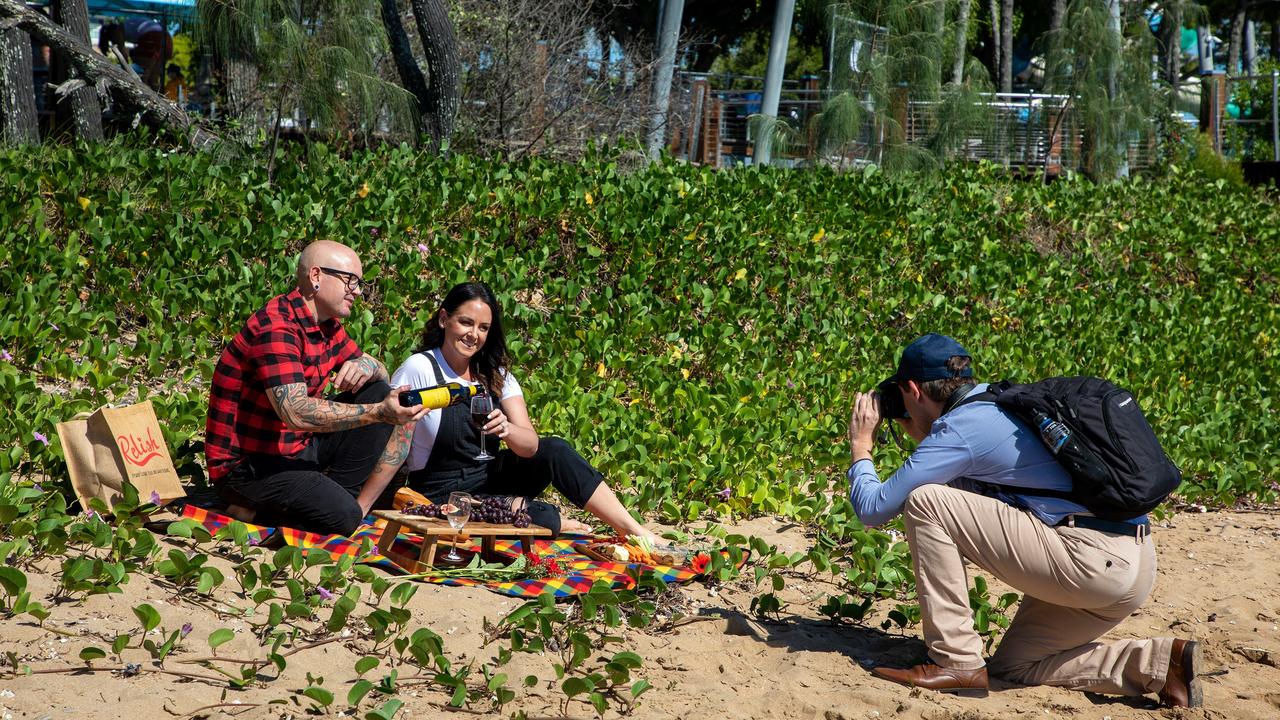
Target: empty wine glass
column 481, row 406
column 457, row 512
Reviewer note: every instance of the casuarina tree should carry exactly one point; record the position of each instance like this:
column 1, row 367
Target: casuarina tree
column 436, row 92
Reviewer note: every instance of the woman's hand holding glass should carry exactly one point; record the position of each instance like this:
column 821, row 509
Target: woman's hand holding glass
column 499, row 424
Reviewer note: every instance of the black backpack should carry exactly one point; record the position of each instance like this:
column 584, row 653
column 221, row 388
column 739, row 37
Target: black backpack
column 1117, row 467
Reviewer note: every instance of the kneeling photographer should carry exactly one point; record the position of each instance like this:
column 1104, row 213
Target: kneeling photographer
column 981, row 486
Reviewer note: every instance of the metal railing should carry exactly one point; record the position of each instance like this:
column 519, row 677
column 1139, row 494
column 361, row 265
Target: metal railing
column 1253, row 132
column 1023, row 130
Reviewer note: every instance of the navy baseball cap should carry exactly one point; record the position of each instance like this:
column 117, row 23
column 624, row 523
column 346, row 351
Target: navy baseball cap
column 926, row 359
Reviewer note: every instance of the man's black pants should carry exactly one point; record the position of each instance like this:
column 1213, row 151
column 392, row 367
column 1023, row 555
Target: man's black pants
column 315, row 490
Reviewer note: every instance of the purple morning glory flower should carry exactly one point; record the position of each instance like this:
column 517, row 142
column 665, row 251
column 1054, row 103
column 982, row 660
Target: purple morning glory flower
column 724, row 494
column 4, row 355
column 186, row 629
column 791, row 385
column 55, row 327
column 40, row 436
column 423, row 247
column 38, row 487
column 324, row 594
column 155, row 497
column 373, row 232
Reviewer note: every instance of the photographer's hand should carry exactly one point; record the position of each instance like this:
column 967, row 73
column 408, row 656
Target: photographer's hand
column 862, row 425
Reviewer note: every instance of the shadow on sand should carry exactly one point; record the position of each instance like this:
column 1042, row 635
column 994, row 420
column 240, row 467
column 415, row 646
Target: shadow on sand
column 868, row 647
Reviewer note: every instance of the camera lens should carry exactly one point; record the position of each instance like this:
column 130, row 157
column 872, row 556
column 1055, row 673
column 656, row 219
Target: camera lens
column 890, row 397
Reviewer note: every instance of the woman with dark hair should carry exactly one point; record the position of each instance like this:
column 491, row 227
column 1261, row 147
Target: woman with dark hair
column 464, row 343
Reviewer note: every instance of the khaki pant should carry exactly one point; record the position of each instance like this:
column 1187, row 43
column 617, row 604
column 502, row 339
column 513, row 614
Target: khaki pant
column 1077, row 585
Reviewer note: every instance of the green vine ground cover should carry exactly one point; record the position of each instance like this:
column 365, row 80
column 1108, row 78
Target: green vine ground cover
column 695, row 330
column 699, row 334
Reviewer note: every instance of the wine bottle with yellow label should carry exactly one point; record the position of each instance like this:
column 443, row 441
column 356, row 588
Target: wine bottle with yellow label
column 439, row 396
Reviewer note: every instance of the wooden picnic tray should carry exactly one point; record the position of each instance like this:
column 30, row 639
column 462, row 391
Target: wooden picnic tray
column 590, row 551
column 433, row 529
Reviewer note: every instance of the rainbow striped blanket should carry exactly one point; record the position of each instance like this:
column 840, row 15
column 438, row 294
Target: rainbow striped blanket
column 580, row 571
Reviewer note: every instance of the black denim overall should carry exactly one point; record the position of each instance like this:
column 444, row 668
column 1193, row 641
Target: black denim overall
column 452, row 466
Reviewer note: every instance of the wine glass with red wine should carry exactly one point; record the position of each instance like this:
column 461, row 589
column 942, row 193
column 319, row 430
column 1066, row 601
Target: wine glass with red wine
column 481, row 406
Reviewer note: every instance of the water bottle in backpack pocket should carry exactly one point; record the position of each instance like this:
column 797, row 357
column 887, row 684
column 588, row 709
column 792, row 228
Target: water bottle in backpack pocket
column 1099, row 435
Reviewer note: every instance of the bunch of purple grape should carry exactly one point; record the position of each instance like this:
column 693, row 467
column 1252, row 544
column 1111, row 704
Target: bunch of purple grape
column 431, row 511
column 486, row 508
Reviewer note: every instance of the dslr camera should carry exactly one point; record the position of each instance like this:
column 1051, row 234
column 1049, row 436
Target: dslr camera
column 889, row 396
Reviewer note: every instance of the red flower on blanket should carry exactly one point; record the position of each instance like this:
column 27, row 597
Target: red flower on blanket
column 540, row 567
column 700, row 563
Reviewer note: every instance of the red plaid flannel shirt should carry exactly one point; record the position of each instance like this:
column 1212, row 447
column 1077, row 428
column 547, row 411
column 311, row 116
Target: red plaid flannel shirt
column 281, row 344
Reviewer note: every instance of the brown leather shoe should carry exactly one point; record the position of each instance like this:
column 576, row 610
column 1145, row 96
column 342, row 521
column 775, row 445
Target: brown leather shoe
column 1182, row 683
column 967, row 683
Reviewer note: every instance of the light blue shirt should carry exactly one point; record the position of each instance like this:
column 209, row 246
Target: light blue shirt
column 971, row 445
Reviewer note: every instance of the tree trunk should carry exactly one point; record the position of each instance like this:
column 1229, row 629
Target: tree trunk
column 441, row 48
column 17, row 94
column 1237, row 37
column 407, row 67
column 993, row 14
column 1170, row 45
column 78, row 110
column 1116, row 41
column 95, row 68
column 606, row 56
column 1053, row 64
column 1006, row 46
column 1204, row 49
column 664, row 55
column 243, row 91
column 937, row 32
column 962, row 43
column 1250, row 47
column 1056, row 19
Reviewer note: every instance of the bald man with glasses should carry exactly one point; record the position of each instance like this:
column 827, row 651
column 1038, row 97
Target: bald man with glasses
column 279, row 450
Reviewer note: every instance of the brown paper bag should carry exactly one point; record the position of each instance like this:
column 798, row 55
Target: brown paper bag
column 107, row 447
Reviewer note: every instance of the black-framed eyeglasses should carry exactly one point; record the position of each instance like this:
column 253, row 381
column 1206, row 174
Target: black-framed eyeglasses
column 352, row 280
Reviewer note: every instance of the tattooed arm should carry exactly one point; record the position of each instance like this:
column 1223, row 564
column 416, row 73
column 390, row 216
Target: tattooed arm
column 392, row 458
column 355, row 373
column 302, row 412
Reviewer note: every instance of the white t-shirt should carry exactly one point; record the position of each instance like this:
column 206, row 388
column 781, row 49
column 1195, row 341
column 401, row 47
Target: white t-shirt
column 417, row 373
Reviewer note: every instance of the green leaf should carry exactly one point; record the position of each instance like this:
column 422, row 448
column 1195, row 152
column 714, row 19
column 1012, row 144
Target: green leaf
column 148, row 616
column 210, row 578
column 575, row 686
column 181, row 528
column 629, row 659
column 497, row 681
column 365, row 664
column 403, row 593
column 322, row 696
column 358, row 692
column 13, row 581
column 386, row 712
column 92, row 653
column 220, row 637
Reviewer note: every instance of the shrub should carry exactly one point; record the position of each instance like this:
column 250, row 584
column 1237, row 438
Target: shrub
column 692, row 331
